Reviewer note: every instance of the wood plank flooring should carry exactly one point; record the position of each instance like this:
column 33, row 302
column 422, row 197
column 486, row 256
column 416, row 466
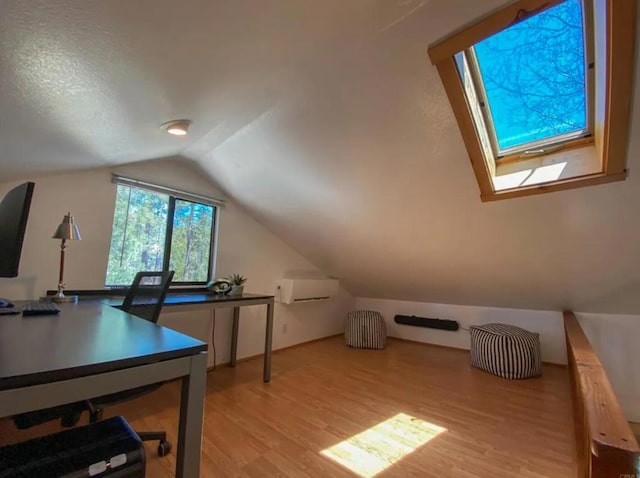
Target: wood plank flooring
column 323, row 393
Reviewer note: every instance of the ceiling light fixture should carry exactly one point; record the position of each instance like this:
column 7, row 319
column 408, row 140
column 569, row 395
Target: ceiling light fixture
column 176, row 127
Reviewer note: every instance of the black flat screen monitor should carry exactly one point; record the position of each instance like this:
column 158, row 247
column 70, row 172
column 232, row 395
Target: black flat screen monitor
column 14, row 212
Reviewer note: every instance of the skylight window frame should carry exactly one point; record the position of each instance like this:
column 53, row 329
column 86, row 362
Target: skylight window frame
column 554, row 143
column 614, row 52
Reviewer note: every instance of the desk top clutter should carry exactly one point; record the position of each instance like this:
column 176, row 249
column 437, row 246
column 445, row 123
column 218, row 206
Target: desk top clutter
column 232, row 285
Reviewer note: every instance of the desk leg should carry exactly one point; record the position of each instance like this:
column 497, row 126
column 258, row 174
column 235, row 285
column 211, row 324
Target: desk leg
column 234, row 336
column 191, row 415
column 268, row 339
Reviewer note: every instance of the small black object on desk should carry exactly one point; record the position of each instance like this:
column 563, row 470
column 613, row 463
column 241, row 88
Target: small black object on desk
column 40, row 308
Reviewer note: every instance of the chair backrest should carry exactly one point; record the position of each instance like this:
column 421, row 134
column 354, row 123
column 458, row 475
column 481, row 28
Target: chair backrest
column 146, row 294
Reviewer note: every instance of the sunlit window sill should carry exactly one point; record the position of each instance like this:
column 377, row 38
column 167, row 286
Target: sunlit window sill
column 549, row 168
column 556, row 171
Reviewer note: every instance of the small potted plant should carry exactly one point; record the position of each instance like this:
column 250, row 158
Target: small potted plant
column 237, row 283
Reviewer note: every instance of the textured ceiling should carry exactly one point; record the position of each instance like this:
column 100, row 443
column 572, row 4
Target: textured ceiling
column 87, row 83
column 327, row 122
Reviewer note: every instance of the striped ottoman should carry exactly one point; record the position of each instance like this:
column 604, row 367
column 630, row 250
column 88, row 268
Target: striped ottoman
column 365, row 329
column 506, row 351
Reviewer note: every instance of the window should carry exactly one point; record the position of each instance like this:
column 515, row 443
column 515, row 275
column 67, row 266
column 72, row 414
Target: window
column 154, row 231
column 540, row 90
column 533, row 81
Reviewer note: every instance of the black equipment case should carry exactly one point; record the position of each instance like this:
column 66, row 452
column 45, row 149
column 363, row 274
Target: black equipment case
column 109, row 448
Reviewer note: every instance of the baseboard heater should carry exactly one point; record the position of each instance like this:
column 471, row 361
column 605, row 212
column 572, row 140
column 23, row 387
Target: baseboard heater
column 426, row 322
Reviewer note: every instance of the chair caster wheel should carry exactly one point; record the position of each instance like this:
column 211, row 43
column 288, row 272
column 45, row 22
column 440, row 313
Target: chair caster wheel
column 164, row 448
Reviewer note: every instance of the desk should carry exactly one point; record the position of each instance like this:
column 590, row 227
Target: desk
column 224, row 301
column 91, row 350
column 216, row 301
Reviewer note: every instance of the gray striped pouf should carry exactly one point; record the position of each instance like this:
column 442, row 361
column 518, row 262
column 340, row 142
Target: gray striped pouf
column 506, row 351
column 365, row 329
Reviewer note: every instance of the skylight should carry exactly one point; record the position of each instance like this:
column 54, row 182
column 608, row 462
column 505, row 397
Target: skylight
column 532, row 81
column 540, row 92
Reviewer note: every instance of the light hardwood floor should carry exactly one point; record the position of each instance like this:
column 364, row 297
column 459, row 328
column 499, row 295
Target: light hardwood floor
column 323, row 393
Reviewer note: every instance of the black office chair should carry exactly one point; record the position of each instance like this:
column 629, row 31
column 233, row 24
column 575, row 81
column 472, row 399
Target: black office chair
column 144, row 299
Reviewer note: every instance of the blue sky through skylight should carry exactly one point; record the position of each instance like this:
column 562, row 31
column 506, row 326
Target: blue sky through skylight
column 534, row 76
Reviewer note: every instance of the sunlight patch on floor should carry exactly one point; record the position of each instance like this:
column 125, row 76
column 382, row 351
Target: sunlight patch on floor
column 370, row 452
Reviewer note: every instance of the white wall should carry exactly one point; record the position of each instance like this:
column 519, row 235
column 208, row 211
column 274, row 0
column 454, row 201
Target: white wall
column 365, row 160
column 547, row 323
column 244, row 246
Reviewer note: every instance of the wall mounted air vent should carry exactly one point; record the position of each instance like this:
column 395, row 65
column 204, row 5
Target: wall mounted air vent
column 293, row 291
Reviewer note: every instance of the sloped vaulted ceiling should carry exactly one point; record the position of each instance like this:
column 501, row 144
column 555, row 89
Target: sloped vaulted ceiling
column 327, row 122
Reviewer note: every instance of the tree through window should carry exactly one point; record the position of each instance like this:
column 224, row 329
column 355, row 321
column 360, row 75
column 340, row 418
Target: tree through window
column 532, row 80
column 540, row 92
column 155, row 232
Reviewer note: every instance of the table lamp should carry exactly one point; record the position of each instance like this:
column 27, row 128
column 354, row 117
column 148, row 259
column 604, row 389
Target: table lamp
column 66, row 231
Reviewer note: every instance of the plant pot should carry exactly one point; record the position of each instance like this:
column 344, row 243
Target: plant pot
column 236, row 290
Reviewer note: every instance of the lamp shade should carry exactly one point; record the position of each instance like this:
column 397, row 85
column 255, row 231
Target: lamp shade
column 67, row 229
